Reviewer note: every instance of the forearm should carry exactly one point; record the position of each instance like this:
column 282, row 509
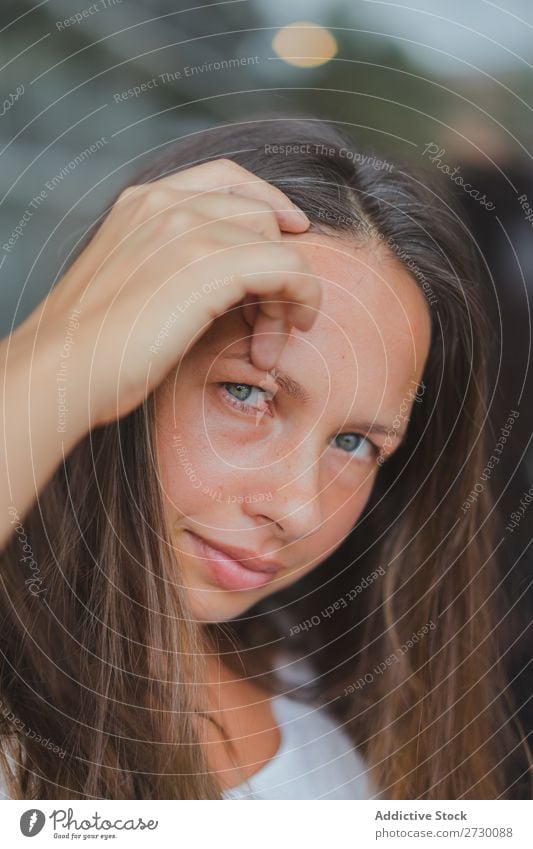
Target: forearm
column 43, row 417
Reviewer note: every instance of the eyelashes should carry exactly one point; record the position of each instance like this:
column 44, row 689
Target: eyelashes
column 247, row 389
column 238, row 403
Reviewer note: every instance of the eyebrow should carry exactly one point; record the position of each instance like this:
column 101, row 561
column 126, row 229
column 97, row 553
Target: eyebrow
column 290, row 387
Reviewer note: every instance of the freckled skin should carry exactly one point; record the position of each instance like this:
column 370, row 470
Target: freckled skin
column 359, row 362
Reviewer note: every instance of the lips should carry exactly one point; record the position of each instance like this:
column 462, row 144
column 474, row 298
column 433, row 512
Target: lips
column 227, row 571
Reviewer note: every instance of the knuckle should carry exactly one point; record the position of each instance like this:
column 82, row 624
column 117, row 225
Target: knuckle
column 184, row 219
column 170, row 210
column 237, row 172
column 127, row 193
column 263, row 207
column 226, row 162
column 154, row 198
column 291, row 258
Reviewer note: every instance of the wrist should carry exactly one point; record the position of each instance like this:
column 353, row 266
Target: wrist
column 41, row 371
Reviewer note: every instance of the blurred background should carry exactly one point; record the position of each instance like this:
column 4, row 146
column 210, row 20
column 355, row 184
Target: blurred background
column 91, row 90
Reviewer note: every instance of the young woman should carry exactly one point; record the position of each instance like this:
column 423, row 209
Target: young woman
column 248, row 572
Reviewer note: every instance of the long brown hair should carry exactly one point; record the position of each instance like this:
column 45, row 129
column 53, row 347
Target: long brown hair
column 397, row 631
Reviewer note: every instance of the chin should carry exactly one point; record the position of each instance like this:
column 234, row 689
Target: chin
column 205, row 610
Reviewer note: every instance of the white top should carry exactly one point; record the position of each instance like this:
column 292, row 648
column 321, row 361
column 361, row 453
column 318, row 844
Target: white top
column 316, row 760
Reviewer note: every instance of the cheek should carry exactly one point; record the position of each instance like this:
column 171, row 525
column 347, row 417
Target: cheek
column 342, row 512
column 190, row 470
column 340, row 515
column 346, row 488
column 194, row 473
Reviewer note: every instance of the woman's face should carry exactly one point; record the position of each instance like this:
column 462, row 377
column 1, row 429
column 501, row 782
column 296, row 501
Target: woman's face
column 251, row 461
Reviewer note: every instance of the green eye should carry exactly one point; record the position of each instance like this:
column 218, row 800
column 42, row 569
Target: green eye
column 247, row 398
column 240, row 391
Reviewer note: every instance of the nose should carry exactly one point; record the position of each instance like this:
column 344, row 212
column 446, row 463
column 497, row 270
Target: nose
column 291, row 493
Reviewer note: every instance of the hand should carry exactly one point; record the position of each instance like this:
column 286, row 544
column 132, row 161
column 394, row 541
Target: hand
column 148, row 285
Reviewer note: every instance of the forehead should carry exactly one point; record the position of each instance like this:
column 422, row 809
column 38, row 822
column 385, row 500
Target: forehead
column 372, row 310
column 372, row 331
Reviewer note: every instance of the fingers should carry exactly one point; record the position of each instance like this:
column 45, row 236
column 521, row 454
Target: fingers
column 270, row 336
column 224, row 175
column 280, row 293
column 152, row 201
column 280, row 274
column 235, row 210
column 249, row 309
